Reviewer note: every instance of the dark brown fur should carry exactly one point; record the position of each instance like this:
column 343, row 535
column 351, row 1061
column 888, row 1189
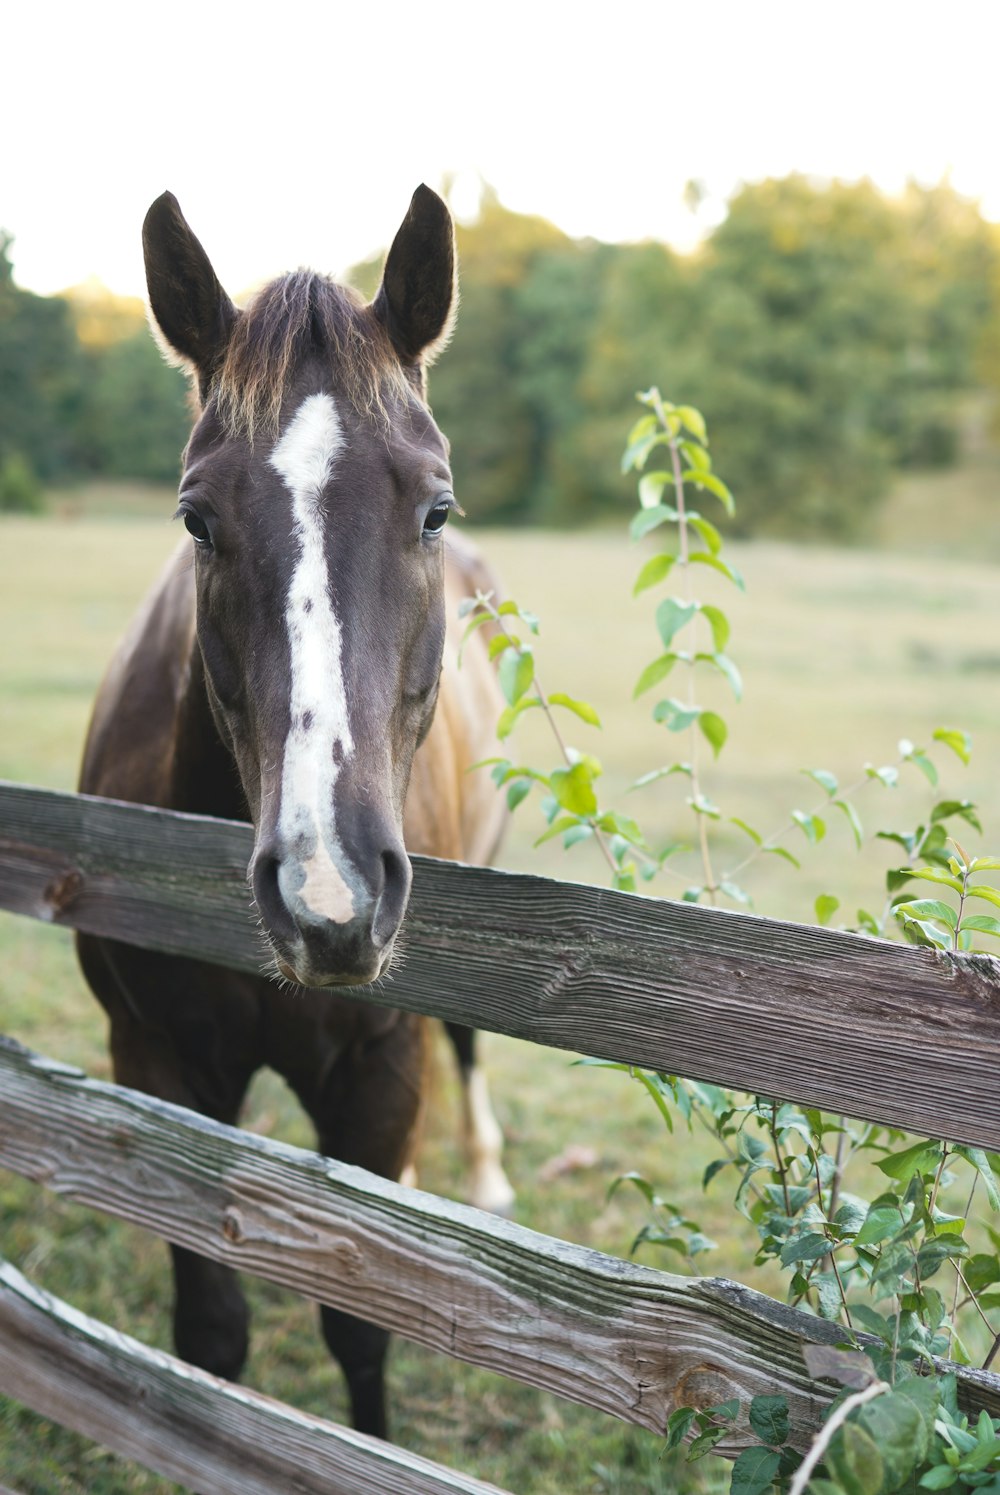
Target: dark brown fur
column 169, row 725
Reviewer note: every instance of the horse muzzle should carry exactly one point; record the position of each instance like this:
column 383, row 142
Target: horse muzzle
column 326, row 923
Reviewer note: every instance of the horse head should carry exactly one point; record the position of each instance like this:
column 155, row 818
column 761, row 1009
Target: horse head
column 316, row 488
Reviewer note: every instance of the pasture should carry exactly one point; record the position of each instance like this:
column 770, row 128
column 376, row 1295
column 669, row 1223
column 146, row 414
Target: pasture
column 842, row 653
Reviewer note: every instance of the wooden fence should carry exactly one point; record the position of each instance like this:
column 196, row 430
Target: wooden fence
column 881, row 1031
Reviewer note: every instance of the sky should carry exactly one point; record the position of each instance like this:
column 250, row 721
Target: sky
column 294, row 133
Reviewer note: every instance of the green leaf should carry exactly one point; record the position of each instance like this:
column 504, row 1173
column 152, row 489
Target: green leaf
column 747, row 830
column 580, row 832
column 959, row 742
column 964, row 808
column 714, row 730
column 941, row 1477
column 982, row 924
column 769, row 1419
column 582, row 709
column 516, row 672
column 574, row 789
column 477, row 622
column 855, row 1460
column 508, row 717
column 653, row 572
column 705, row 558
column 928, row 908
column 922, row 1157
column 719, row 624
column 827, row 781
column 517, row 792
column 826, row 906
column 881, row 1221
column 983, row 890
column 754, row 1472
column 735, row 892
column 675, row 715
column 498, row 645
column 811, row 826
column 695, row 422
column 935, row 874
column 726, row 667
column 513, row 609
column 921, row 761
column 783, row 852
column 561, row 824
column 702, row 805
column 654, row 673
column 715, row 486
column 660, row 773
column 649, row 519
column 671, row 616
column 808, row 1246
column 695, row 454
column 981, row 1163
column 679, row 1425
column 921, row 931
column 708, row 533
column 651, row 487
column 888, row 775
column 851, row 815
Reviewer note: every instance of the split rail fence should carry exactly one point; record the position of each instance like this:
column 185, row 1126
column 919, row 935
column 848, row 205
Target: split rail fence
column 896, row 1035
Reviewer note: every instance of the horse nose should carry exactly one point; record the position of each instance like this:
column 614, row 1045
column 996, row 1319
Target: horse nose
column 393, row 896
column 330, row 929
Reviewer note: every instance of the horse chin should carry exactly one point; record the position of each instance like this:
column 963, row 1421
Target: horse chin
column 303, row 975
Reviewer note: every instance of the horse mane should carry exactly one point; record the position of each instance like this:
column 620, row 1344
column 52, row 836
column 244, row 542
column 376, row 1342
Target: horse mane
column 289, row 318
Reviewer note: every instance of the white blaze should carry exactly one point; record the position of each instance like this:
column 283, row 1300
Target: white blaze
column 305, row 457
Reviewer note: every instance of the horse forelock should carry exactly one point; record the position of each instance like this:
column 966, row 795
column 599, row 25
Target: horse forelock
column 299, row 315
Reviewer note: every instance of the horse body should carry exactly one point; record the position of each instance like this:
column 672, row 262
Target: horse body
column 286, row 669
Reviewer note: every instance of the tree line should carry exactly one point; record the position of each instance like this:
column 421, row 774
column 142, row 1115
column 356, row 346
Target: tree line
column 832, row 335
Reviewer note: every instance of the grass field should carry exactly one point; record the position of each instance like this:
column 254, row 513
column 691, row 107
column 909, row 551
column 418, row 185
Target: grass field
column 842, row 653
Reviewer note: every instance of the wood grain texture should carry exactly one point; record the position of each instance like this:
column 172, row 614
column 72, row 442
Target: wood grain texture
column 185, row 1424
column 619, row 1337
column 864, row 1027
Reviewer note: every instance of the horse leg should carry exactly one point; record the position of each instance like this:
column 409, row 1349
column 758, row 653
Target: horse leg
column 365, row 1108
column 489, row 1187
column 210, row 1317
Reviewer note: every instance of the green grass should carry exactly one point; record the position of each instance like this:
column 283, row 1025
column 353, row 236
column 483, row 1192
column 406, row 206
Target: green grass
column 842, row 652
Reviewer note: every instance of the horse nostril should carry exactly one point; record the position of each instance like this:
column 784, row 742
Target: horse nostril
column 267, row 893
column 392, row 899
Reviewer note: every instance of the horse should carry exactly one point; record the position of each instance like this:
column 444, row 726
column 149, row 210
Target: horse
column 295, row 665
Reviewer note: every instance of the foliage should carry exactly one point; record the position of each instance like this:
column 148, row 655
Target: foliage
column 899, row 1270
column 835, row 331
column 20, row 490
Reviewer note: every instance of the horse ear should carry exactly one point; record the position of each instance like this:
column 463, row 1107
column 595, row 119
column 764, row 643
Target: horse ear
column 192, row 311
column 418, row 295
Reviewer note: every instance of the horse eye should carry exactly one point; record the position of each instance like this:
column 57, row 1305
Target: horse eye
column 196, row 527
column 437, row 519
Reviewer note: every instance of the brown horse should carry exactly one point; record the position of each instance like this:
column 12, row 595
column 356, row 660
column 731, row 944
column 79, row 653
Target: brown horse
column 295, row 665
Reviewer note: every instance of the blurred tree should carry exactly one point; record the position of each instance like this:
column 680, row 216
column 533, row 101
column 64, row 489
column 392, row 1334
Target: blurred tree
column 41, row 376
column 137, row 415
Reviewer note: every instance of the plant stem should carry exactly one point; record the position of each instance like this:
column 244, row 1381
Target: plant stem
column 543, row 698
column 684, row 559
column 955, row 1305
column 823, row 1439
column 975, row 1303
column 937, row 1181
column 778, row 1158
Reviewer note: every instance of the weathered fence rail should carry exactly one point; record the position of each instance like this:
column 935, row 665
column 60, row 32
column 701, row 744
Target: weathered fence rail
column 876, row 1030
column 816, row 1016
column 184, row 1423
